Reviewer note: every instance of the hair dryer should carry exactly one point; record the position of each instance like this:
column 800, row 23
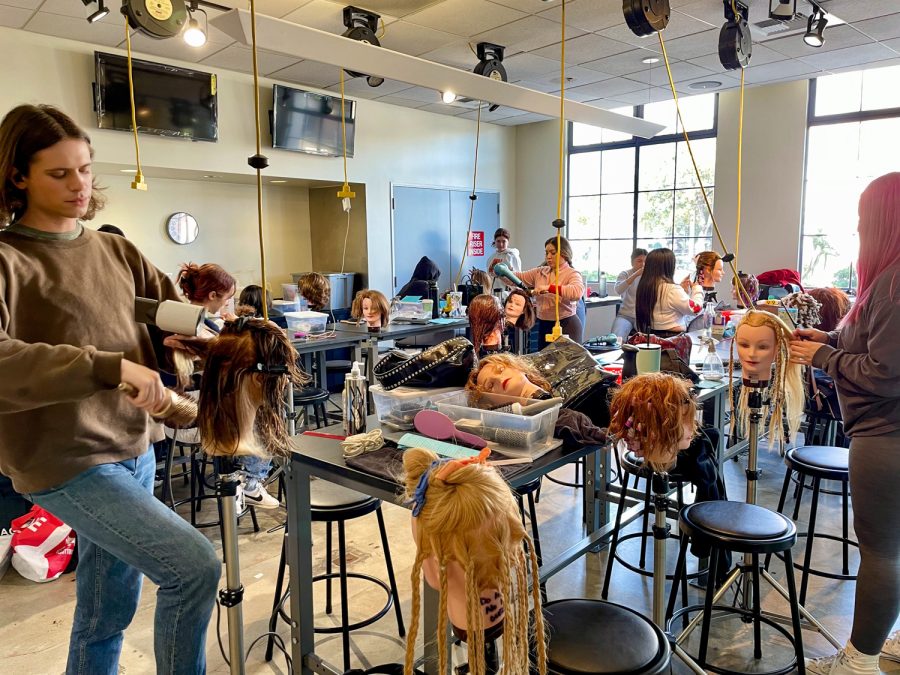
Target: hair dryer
column 502, row 270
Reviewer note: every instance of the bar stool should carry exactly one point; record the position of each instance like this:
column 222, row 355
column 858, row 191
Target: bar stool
column 819, row 462
column 315, row 398
column 741, row 528
column 595, row 637
column 634, row 466
column 332, row 503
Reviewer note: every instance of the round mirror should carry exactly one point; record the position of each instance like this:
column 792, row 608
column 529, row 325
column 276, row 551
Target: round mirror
column 182, row 228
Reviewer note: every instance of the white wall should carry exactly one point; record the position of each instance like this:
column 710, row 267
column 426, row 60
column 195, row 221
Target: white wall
column 393, row 144
column 537, row 153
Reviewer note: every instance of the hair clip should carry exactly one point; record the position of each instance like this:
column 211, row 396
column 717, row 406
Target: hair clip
column 454, row 464
column 418, row 498
column 629, row 422
column 241, row 322
column 272, row 370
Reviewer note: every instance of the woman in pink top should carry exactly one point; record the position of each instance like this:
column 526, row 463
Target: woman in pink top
column 571, row 288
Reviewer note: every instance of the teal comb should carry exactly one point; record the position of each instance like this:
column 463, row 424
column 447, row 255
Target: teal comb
column 439, row 447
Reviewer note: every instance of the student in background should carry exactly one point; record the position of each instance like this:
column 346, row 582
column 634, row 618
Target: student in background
column 662, row 306
column 504, row 255
column 210, row 286
column 252, row 296
column 626, row 287
column 425, row 271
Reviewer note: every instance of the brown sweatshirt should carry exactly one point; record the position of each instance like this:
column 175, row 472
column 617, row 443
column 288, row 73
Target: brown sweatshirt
column 66, row 322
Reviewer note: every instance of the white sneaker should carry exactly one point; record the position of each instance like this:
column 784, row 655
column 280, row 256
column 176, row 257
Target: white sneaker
column 260, row 499
column 891, row 648
column 848, row 661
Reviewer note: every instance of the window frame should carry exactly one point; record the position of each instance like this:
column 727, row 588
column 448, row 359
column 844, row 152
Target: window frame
column 637, row 143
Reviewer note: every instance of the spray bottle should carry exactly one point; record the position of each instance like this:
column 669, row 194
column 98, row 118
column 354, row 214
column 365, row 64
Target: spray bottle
column 355, row 402
column 713, row 368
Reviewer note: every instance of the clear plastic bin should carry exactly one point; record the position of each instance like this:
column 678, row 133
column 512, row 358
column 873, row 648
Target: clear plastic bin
column 397, row 408
column 306, row 322
column 519, row 435
column 286, row 305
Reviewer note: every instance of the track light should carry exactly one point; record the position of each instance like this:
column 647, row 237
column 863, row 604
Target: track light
column 782, row 10
column 448, row 97
column 645, row 17
column 815, row 35
column 361, row 26
column 101, row 11
column 194, row 34
column 490, row 64
column 735, row 42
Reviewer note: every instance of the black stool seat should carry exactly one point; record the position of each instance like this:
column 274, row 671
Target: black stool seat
column 331, row 502
column 528, row 488
column 310, row 395
column 593, row 637
column 746, row 528
column 824, row 461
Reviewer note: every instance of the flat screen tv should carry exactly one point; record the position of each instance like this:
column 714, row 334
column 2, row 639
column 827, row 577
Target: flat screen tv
column 308, row 122
column 168, row 101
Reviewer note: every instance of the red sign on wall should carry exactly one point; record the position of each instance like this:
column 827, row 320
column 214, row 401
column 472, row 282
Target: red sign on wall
column 476, row 243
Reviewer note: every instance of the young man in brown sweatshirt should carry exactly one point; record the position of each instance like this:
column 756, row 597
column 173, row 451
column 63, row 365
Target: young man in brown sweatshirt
column 69, row 440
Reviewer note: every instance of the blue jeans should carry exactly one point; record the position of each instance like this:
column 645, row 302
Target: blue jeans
column 123, row 533
column 622, row 326
column 255, row 470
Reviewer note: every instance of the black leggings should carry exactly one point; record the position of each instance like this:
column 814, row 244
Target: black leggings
column 874, row 468
column 571, row 327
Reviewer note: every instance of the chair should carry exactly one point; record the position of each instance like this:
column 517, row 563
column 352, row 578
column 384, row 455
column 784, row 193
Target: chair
column 315, row 398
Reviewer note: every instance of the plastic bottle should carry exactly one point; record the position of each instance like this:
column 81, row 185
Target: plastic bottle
column 354, row 400
column 713, row 368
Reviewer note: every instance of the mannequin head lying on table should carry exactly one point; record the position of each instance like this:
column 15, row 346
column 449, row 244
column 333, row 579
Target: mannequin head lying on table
column 469, row 539
column 509, row 375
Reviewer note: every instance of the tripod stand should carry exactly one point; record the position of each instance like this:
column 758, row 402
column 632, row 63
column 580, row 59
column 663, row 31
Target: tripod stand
column 744, row 571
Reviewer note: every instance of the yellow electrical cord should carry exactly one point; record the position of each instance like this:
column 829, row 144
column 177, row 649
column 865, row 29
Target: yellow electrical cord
column 557, row 328
column 138, row 183
column 737, row 227
column 345, row 192
column 472, row 198
column 259, row 208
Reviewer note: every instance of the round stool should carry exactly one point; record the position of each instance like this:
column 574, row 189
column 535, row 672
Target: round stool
column 332, row 503
column 579, row 465
column 315, row 398
column 740, row 528
column 819, row 462
column 528, row 490
column 634, row 466
column 594, row 637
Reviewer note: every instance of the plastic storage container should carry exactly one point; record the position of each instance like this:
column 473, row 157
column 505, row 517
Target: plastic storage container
column 514, row 435
column 284, row 306
column 341, row 288
column 306, row 322
column 289, row 291
column 396, row 408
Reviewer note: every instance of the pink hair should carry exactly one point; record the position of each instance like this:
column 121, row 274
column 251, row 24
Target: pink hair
column 879, row 236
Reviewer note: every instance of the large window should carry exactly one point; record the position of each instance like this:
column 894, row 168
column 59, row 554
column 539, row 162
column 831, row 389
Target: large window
column 627, row 192
column 854, row 124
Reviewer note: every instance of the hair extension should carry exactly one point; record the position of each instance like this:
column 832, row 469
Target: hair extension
column 540, row 634
column 413, row 629
column 198, row 281
column 652, row 408
column 507, row 361
column 442, row 608
column 485, row 318
column 316, row 289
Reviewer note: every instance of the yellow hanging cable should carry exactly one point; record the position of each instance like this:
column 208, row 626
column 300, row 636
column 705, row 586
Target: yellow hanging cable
column 557, row 327
column 138, row 183
column 740, row 154
column 258, row 165
column 472, row 197
column 345, row 192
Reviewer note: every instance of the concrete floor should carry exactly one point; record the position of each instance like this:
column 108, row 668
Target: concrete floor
column 35, row 619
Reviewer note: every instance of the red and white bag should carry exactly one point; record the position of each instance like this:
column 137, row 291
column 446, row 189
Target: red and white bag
column 42, row 545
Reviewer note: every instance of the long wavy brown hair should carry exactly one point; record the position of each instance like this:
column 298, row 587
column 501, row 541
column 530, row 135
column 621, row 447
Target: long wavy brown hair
column 244, row 387
column 316, row 289
column 528, row 317
column 485, row 316
column 378, row 299
column 507, row 361
column 834, row 306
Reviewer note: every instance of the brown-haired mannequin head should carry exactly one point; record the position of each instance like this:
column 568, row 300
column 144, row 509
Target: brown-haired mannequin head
column 519, row 309
column 656, row 415
column 372, row 307
column 710, row 268
column 471, row 547
column 834, row 305
column 316, row 289
column 486, row 320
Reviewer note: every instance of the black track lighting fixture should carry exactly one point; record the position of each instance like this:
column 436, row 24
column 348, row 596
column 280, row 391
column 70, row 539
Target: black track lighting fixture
column 815, row 27
column 490, row 64
column 735, row 42
column 101, row 11
column 361, row 26
column 645, row 17
column 782, row 10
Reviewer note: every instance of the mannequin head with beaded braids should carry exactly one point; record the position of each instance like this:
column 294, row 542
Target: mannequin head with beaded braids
column 469, row 540
column 762, row 341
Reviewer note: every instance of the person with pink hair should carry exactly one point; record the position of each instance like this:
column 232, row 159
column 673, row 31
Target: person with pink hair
column 863, row 358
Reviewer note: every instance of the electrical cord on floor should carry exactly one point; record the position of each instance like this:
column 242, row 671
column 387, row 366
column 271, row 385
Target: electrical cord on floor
column 277, row 640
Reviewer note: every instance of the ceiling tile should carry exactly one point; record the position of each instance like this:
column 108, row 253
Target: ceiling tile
column 79, row 11
column 458, row 54
column 465, row 17
column 837, row 37
column 851, row 56
column 726, row 82
column 714, row 13
column 321, row 14
column 571, row 94
column 761, row 56
column 893, row 44
column 276, row 8
column 14, row 17
column 423, row 94
column 524, row 35
column 776, row 71
column 644, row 96
column 609, row 88
column 889, row 63
column 679, row 26
column 658, row 77
column 588, row 15
column 691, row 46
column 443, row 109
column 308, row 73
column 488, row 116
column 392, row 7
column 530, row 6
column 610, row 104
column 22, row 4
column 882, row 28
column 173, row 48
column 403, row 102
column 527, row 118
column 99, row 33
column 622, row 64
column 526, row 66
column 583, row 49
column 413, row 39
column 358, row 86
column 240, row 58
column 575, row 77
column 545, row 87
column 858, row 10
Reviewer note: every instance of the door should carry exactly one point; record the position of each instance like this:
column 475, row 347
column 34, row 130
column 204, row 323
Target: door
column 421, row 226
column 485, row 219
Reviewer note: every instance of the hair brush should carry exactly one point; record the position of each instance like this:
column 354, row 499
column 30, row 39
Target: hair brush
column 177, row 410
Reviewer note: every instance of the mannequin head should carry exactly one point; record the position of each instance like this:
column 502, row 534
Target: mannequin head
column 507, row 375
column 710, row 268
column 656, row 415
column 807, row 308
column 833, row 306
column 372, row 307
column 487, row 321
column 471, row 548
column 243, row 389
column 481, row 278
column 763, row 341
column 519, row 310
column 316, row 289
column 746, row 294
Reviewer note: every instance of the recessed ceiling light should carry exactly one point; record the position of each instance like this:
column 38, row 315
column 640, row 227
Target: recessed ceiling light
column 278, row 181
column 209, row 175
column 128, row 170
column 650, row 59
column 705, row 84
